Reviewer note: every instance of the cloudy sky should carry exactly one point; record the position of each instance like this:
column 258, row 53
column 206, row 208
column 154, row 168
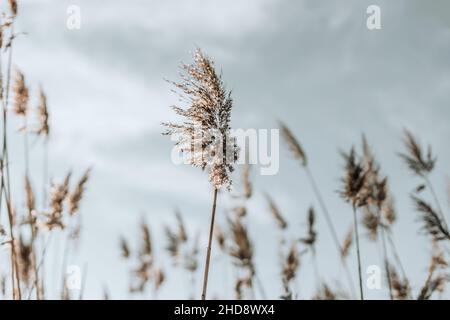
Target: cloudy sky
column 314, row 65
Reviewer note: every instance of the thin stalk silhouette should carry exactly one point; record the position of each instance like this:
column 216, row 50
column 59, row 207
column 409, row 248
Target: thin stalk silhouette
column 433, row 193
column 331, row 226
column 5, row 176
column 355, row 225
column 261, row 289
column 300, row 155
column 386, row 263
column 208, row 252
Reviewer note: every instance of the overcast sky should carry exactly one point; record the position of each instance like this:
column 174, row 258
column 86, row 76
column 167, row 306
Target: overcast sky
column 312, row 64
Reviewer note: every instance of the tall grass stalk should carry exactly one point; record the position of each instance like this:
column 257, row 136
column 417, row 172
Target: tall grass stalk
column 355, row 226
column 331, row 227
column 208, row 251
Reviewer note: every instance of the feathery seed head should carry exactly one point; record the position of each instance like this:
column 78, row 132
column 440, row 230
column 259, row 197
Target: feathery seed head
column 310, row 240
column 146, row 249
column 21, row 95
column 58, row 193
column 293, row 144
column 13, row 6
column 346, row 245
column 415, row 158
column 276, row 212
column 291, row 264
column 371, row 221
column 354, row 190
column 76, row 196
column 159, row 278
column 325, row 293
column 124, row 248
column 388, row 211
column 182, row 234
column 25, row 260
column 44, row 128
column 401, row 288
column 204, row 136
column 433, row 224
column 242, row 249
column 29, row 194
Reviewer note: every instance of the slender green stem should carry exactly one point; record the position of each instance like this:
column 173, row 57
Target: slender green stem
column 208, row 252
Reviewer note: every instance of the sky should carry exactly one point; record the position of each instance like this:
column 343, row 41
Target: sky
column 314, row 65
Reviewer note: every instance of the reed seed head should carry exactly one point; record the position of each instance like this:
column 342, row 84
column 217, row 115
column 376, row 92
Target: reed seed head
column 124, row 248
column 325, row 293
column 347, row 243
column 21, row 95
column 432, row 222
column 25, row 260
column 291, row 264
column 29, row 194
column 293, row 144
column 354, row 181
column 182, row 234
column 173, row 243
column 13, row 7
column 282, row 224
column 438, row 275
column 242, row 248
column 204, row 136
column 310, row 240
column 371, row 222
column 388, row 211
column 191, row 258
column 146, row 248
column 159, row 278
column 44, row 127
column 76, row 196
column 401, row 287
column 415, row 157
column 58, row 193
